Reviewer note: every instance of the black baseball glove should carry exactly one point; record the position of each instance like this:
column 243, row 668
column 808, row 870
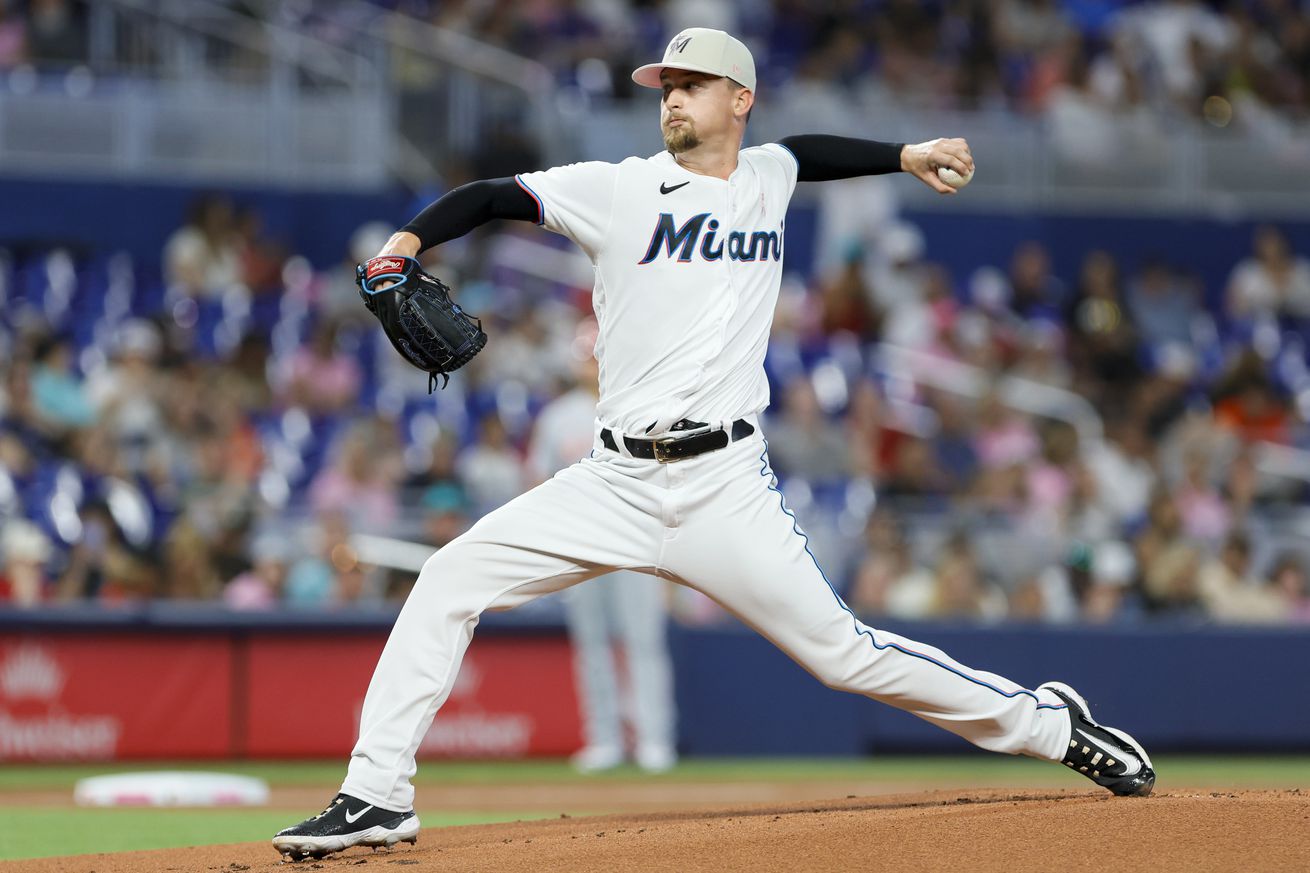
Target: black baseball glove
column 422, row 322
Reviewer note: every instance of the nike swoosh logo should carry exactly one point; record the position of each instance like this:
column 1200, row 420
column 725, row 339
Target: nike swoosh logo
column 665, row 189
column 1125, row 754
column 351, row 819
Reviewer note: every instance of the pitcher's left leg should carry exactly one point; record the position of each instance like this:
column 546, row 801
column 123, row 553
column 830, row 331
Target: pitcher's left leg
column 740, row 545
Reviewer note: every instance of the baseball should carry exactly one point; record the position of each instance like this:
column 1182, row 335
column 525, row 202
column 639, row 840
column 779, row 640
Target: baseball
column 952, row 178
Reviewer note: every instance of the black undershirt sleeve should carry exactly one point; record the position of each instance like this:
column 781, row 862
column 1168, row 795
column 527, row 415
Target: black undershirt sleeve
column 822, row 158
column 470, row 206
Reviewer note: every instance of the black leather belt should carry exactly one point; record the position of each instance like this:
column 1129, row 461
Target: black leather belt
column 677, row 449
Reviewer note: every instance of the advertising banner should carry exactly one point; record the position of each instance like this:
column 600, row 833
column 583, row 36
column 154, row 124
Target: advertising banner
column 512, row 697
column 100, row 697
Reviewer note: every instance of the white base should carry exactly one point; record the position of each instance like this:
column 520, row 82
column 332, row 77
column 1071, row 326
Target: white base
column 171, row 788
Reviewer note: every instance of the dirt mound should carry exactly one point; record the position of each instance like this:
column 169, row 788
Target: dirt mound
column 972, row 830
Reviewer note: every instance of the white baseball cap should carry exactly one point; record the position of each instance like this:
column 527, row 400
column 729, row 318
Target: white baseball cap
column 702, row 50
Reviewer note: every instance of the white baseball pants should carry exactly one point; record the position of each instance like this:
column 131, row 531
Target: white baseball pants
column 715, row 522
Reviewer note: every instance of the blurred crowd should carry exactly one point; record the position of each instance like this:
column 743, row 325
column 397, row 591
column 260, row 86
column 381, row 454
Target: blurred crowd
column 1187, row 56
column 229, row 424
column 225, row 422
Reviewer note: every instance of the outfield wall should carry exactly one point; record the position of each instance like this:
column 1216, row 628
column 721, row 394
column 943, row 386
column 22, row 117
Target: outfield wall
column 201, row 684
column 101, row 218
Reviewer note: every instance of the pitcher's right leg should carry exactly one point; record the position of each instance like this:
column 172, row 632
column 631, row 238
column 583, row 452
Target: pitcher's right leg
column 587, row 520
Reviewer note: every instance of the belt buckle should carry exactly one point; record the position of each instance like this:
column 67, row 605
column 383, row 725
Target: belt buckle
column 660, row 456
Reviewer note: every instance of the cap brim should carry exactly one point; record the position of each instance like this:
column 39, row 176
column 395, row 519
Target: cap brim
column 649, row 75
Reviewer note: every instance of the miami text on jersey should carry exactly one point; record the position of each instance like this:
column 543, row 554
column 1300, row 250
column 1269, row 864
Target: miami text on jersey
column 759, row 245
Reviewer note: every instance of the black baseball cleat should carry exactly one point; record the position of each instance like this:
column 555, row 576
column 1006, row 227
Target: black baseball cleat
column 1105, row 755
column 347, row 821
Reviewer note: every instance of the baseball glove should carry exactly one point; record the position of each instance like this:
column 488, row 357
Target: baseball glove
column 422, row 322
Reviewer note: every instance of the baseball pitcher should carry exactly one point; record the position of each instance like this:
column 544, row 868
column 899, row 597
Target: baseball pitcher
column 687, row 246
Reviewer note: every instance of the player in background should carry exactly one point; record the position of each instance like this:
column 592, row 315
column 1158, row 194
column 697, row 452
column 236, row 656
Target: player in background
column 687, row 246
column 623, row 607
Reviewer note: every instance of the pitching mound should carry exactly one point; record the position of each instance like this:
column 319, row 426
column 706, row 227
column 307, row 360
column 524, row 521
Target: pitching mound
column 978, row 831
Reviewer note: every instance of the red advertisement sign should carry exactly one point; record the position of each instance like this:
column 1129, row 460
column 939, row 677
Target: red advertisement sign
column 109, row 696
column 106, row 696
column 512, row 697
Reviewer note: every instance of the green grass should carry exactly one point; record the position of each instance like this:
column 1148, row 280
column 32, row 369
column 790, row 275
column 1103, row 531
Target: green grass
column 35, row 832
column 1242, row 771
column 40, row 833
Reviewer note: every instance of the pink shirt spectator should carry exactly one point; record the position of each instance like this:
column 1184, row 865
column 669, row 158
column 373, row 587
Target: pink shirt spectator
column 1205, row 515
column 1049, row 489
column 1010, row 442
column 369, row 505
column 326, row 383
column 13, row 42
column 249, row 591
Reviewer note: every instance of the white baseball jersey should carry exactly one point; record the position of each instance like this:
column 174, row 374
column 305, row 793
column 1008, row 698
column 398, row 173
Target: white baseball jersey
column 687, row 275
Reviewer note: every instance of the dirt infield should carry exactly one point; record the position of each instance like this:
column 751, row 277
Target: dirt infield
column 981, row 831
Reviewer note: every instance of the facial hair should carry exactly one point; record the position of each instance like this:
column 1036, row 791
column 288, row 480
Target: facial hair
column 681, row 139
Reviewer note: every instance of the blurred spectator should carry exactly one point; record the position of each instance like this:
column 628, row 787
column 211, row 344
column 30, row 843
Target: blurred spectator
column 1042, row 357
column 57, row 392
column 963, row 590
column 802, row 440
column 13, row 36
column 188, row 571
column 1035, row 292
column 26, row 553
column 102, row 567
column 128, row 394
column 845, row 301
column 202, row 259
column 1163, row 306
column 446, row 513
column 871, row 443
column 360, row 483
column 888, row 581
column 1123, row 469
column 899, row 281
column 1205, row 513
column 356, row 584
column 1169, row 561
column 320, row 376
column 1272, row 281
column 1248, row 405
column 1103, row 344
column 441, row 455
column 260, row 587
column 219, row 503
column 1288, row 578
column 1051, row 479
column 954, row 453
column 56, row 32
column 913, row 470
column 1113, row 573
column 1003, row 437
column 1088, row 585
column 311, row 581
column 247, row 375
column 1231, row 594
column 1181, row 37
column 490, row 468
column 259, row 258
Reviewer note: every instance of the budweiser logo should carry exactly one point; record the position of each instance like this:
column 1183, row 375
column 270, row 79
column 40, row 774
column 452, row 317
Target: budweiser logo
column 30, row 672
